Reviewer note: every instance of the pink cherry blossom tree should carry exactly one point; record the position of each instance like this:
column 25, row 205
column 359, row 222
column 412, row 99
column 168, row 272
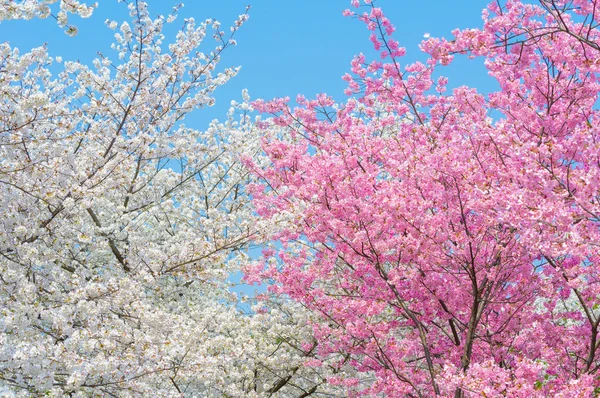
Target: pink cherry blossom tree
column 449, row 241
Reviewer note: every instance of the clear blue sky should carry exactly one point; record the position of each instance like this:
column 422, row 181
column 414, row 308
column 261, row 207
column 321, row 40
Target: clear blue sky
column 287, row 47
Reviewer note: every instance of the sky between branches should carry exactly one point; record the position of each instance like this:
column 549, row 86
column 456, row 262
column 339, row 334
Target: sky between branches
column 286, row 48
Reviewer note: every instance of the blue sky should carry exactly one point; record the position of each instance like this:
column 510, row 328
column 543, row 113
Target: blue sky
column 287, row 47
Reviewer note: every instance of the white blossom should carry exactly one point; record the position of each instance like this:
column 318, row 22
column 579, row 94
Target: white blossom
column 120, row 226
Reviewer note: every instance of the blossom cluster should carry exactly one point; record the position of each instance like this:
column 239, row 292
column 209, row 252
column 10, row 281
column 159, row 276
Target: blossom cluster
column 448, row 238
column 120, row 225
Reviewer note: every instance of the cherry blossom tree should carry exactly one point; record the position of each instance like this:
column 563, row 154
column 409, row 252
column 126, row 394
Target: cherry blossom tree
column 120, row 225
column 448, row 240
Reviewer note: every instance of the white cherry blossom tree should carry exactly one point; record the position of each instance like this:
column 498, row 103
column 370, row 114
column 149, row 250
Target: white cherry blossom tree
column 120, row 225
